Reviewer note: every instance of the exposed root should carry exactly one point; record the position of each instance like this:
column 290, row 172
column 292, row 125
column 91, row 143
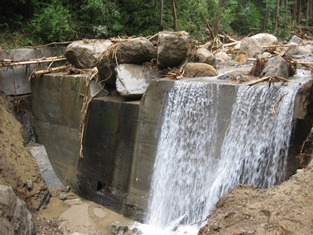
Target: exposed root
column 84, row 110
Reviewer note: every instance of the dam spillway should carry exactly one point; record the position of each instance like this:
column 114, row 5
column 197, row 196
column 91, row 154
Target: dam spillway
column 121, row 137
column 197, row 163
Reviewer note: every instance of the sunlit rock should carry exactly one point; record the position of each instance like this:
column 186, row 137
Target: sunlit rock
column 134, row 51
column 265, row 39
column 132, row 80
column 173, row 48
column 199, row 70
column 250, row 47
column 85, row 54
column 203, row 55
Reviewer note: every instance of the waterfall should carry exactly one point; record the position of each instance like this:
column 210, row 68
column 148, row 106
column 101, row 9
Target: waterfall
column 196, row 164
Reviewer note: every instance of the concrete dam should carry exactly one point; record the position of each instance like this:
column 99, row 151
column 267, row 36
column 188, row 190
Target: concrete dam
column 165, row 156
column 120, row 141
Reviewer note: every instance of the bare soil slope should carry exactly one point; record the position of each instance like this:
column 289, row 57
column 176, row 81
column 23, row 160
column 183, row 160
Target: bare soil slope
column 17, row 167
column 283, row 209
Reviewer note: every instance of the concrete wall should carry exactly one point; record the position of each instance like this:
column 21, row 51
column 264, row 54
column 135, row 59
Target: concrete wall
column 109, row 141
column 15, row 80
column 56, row 104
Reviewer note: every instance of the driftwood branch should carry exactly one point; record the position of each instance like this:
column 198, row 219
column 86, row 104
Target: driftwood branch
column 51, row 70
column 269, row 79
column 10, row 63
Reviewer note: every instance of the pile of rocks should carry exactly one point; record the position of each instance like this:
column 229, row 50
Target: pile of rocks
column 128, row 65
column 119, row 229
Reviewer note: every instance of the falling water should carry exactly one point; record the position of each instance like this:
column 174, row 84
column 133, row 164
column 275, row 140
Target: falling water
column 196, row 164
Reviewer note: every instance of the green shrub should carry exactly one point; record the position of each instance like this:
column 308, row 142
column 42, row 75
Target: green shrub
column 247, row 20
column 103, row 17
column 53, row 23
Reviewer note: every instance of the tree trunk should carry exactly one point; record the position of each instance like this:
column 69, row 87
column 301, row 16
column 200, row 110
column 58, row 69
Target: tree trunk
column 265, row 17
column 161, row 13
column 217, row 17
column 299, row 11
column 276, row 17
column 174, row 15
column 307, row 15
column 286, row 14
column 294, row 12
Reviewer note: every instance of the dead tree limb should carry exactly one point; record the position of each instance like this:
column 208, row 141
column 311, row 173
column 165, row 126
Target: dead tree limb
column 51, row 70
column 10, row 63
column 269, row 79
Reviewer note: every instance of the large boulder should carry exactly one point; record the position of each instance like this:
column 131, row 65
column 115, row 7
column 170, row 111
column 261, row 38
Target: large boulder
column 265, row 39
column 199, row 70
column 173, row 48
column 85, row 54
column 15, row 218
column 203, row 55
column 295, row 49
column 135, row 51
column 295, row 40
column 250, row 47
column 132, row 80
column 222, row 56
column 276, row 66
column 106, row 70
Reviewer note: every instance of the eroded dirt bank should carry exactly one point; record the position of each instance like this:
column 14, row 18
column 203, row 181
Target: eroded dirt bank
column 19, row 170
column 17, row 167
column 282, row 209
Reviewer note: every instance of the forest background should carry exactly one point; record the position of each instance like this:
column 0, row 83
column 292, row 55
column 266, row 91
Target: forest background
column 31, row 22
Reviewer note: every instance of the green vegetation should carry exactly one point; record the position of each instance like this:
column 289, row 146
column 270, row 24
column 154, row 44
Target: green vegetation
column 29, row 22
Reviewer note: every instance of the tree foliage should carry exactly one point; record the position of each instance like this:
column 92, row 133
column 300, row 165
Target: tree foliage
column 57, row 20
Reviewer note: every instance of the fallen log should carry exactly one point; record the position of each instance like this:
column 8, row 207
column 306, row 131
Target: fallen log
column 11, row 63
column 269, row 79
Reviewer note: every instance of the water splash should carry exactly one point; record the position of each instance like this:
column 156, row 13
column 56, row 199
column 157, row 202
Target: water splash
column 193, row 169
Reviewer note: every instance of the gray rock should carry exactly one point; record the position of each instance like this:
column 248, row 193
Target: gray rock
column 205, row 56
column 276, row 66
column 133, row 80
column 264, row 55
column 295, row 40
column 116, row 224
column 85, row 54
column 199, row 70
column 298, row 50
column 250, row 47
column 135, row 51
column 66, row 189
column 222, row 56
column 63, row 196
column 265, row 39
column 234, row 75
column 15, row 218
column 309, row 46
column 173, row 48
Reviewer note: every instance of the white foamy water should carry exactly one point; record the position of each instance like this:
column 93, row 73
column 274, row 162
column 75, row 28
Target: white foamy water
column 196, row 164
